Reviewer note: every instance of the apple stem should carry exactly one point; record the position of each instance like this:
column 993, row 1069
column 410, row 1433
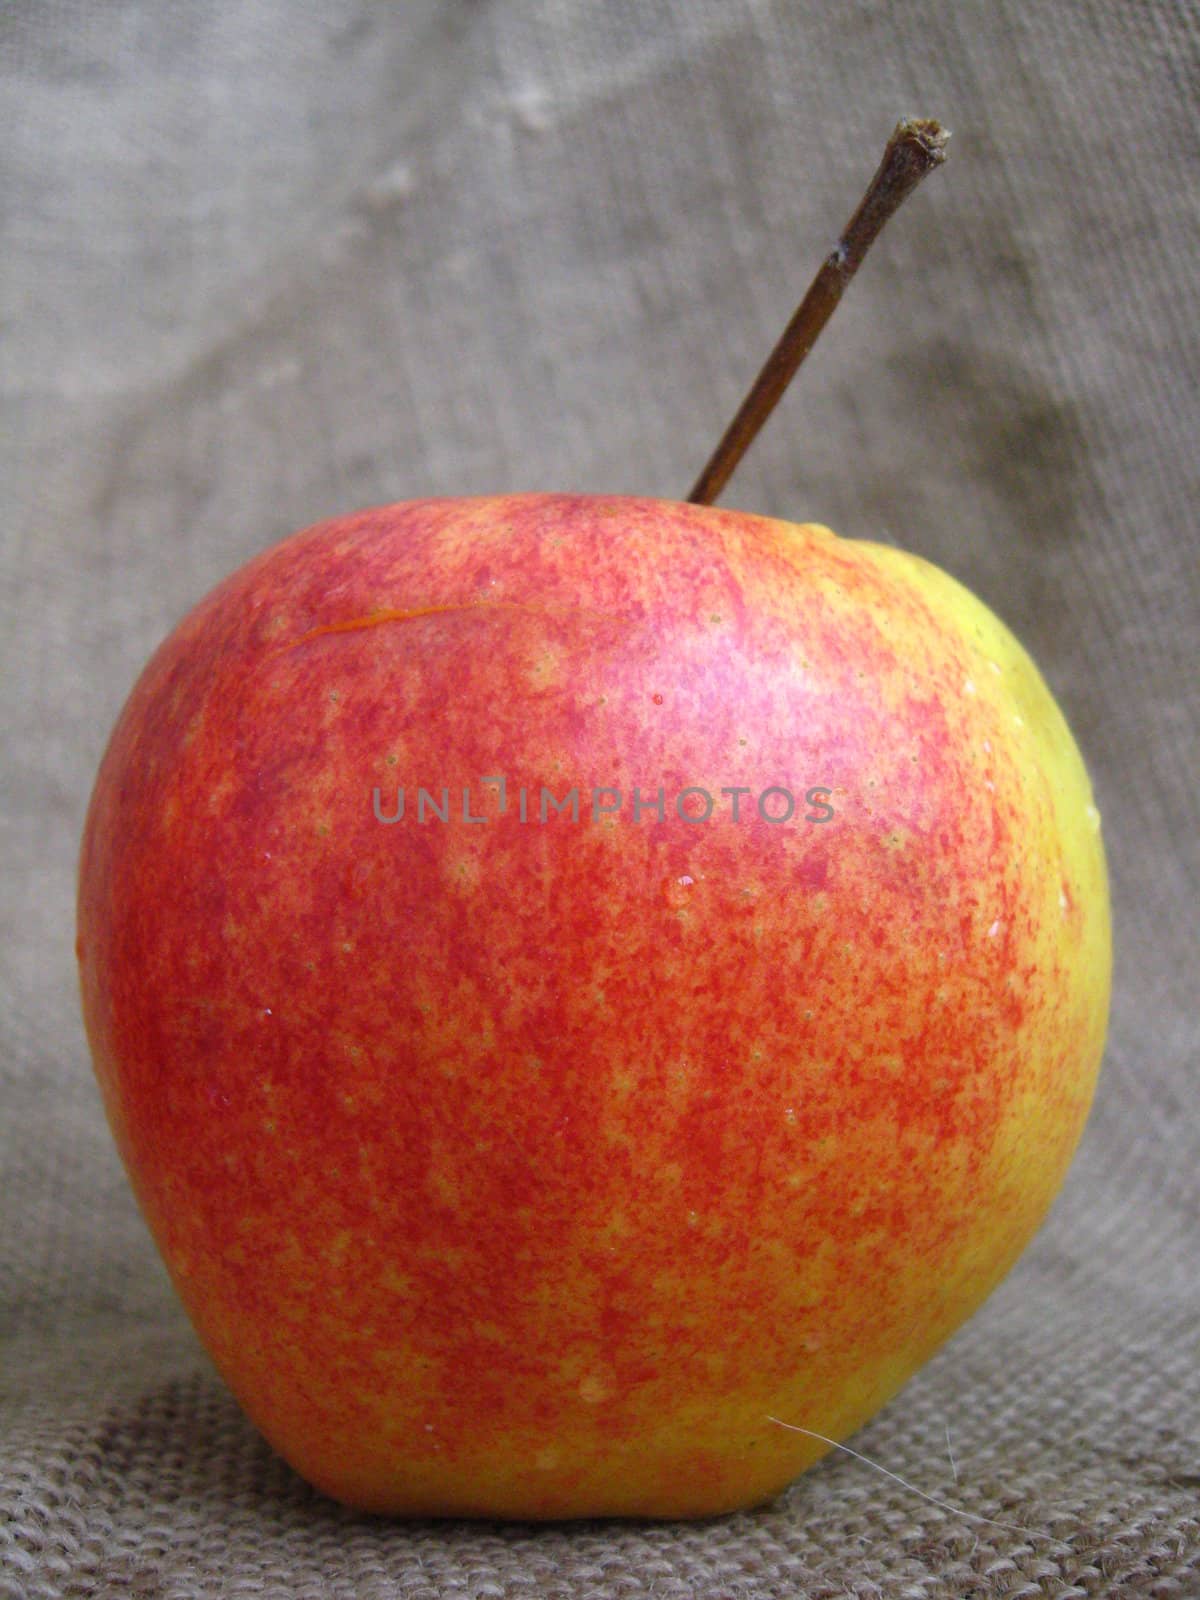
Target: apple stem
column 915, row 148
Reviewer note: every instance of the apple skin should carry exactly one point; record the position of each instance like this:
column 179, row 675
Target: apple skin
column 528, row 1169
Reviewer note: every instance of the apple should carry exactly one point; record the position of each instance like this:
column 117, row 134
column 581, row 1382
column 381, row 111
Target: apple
column 524, row 1157
column 590, row 991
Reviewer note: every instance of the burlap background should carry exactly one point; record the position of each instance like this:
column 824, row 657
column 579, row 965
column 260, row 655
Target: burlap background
column 263, row 261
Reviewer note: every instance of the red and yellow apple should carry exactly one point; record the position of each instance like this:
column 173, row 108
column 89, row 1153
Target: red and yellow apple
column 514, row 1161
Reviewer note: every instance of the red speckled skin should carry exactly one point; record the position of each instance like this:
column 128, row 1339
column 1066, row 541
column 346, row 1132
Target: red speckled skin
column 529, row 1169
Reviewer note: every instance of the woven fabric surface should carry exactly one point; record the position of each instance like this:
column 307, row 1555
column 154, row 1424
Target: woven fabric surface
column 262, row 262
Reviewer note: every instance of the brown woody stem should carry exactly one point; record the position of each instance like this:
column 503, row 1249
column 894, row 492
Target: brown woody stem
column 916, row 147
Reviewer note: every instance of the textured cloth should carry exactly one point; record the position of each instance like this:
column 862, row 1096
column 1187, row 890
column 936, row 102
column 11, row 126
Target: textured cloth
column 262, row 262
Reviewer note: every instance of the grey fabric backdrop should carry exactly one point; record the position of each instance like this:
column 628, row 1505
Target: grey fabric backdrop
column 267, row 261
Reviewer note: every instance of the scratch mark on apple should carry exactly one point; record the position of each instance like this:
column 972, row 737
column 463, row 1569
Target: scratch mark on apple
column 377, row 619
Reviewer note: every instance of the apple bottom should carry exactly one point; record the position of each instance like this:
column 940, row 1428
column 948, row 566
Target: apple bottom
column 733, row 1457
column 534, row 1446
